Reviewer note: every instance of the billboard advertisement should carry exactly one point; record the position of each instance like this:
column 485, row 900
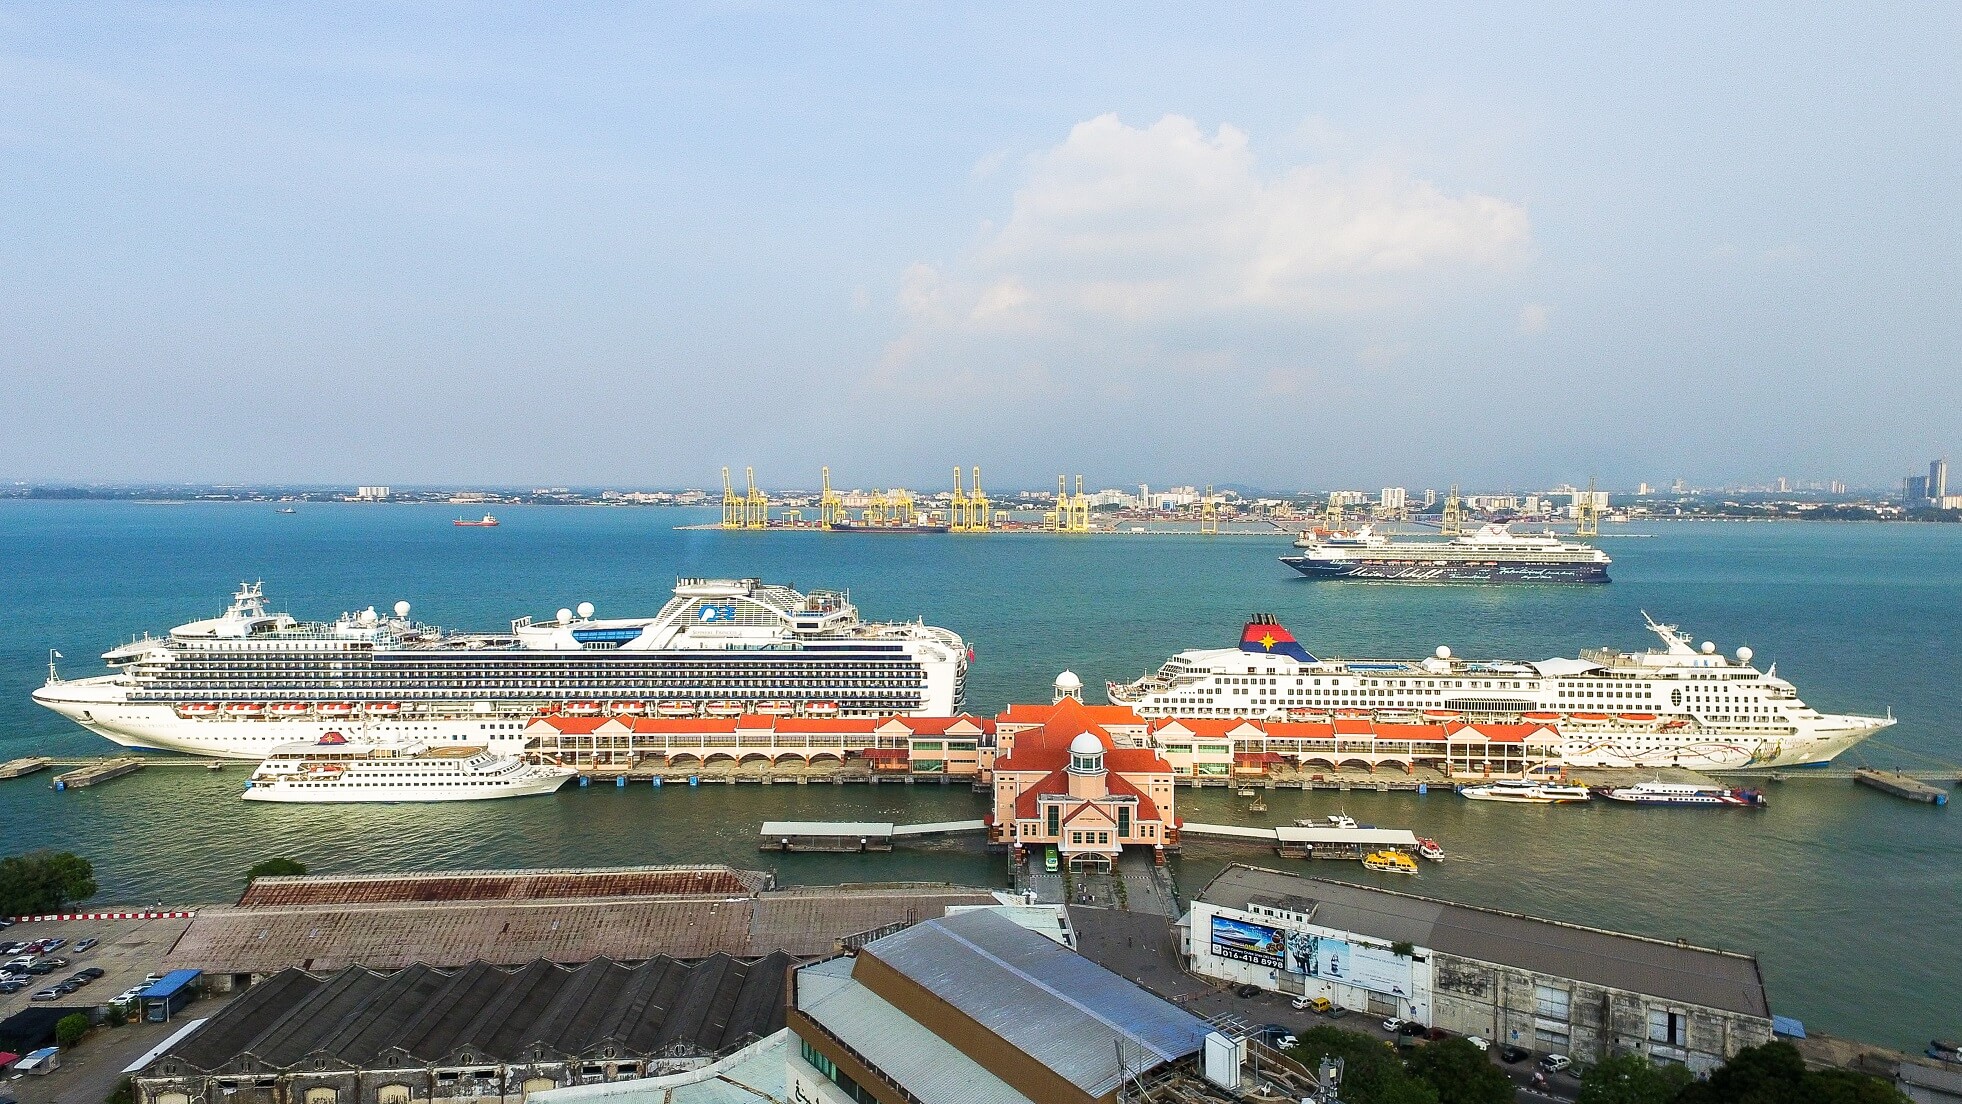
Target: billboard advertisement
column 1371, row 968
column 1245, row 941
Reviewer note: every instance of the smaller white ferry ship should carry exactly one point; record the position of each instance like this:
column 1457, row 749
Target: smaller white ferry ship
column 1493, row 554
column 334, row 769
column 1527, row 791
column 1682, row 793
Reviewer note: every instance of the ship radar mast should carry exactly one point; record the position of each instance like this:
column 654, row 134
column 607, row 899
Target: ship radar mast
column 1678, row 642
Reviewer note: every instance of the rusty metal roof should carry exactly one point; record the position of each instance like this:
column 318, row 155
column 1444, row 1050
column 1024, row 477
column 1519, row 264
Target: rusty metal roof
column 392, row 934
column 501, row 885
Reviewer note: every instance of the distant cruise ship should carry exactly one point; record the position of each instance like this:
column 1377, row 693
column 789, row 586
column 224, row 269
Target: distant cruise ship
column 246, row 682
column 1494, row 554
column 1680, row 706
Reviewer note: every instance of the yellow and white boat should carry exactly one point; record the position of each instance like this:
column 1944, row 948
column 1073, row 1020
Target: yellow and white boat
column 1390, row 862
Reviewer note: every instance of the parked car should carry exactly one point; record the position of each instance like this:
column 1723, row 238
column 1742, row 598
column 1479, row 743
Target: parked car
column 1394, row 1025
column 1245, row 992
column 11, row 949
column 1554, row 1063
column 1478, row 1042
column 87, row 944
column 42, row 967
column 53, row 944
column 1510, row 1054
column 91, row 972
column 1336, row 1012
column 47, row 995
column 1411, row 1029
column 12, row 985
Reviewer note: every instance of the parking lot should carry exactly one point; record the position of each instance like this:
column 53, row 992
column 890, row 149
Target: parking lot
column 129, row 950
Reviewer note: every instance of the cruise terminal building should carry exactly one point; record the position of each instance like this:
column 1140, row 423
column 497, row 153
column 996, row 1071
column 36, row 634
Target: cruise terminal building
column 1548, row 986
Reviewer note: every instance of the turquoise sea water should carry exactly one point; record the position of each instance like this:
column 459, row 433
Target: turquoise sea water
column 1850, row 898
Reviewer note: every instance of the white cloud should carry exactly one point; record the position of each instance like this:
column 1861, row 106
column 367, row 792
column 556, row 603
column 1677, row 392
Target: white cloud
column 1167, row 223
column 1533, row 318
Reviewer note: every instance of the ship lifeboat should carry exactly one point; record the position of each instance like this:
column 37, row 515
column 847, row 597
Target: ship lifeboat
column 676, row 709
column 1542, row 716
column 1671, row 726
column 628, row 708
column 1590, row 716
column 1307, row 714
column 777, row 708
column 336, row 709
column 724, row 709
column 582, row 709
column 289, row 709
column 1642, row 718
column 384, row 707
column 1355, row 712
column 244, row 709
column 821, row 709
column 1429, row 849
column 1442, row 714
column 196, row 709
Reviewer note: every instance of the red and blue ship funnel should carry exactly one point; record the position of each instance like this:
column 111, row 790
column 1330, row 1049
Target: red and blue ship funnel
column 1265, row 636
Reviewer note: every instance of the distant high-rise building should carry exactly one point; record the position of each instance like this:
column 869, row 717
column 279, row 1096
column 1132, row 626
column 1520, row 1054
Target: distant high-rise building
column 1938, row 478
column 1394, row 498
column 371, row 494
column 1644, row 488
column 1430, row 497
column 1916, row 490
column 1784, row 485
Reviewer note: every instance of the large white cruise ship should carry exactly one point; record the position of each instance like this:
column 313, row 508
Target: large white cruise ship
column 1682, row 705
column 241, row 684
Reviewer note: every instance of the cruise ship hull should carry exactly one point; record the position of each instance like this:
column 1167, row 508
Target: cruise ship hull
column 376, row 792
column 1431, row 571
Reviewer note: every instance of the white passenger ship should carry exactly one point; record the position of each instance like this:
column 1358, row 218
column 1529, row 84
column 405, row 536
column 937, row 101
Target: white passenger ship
column 1678, row 706
column 241, row 684
column 334, row 769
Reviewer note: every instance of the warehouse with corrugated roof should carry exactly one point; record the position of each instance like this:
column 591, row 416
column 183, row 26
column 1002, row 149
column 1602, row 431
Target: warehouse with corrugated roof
column 361, row 1036
column 976, row 1009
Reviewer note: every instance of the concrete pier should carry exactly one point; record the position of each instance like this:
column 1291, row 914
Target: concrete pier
column 17, row 768
column 100, row 772
column 852, row 836
column 1901, row 785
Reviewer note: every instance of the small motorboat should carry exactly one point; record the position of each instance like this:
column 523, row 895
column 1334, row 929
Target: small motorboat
column 1429, row 849
column 1390, row 862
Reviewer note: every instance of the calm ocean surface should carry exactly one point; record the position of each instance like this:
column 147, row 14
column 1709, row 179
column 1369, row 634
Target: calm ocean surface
column 1850, row 898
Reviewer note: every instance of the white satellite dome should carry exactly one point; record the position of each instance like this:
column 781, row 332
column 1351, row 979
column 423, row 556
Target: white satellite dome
column 401, row 609
column 1068, row 681
column 585, row 609
column 1744, row 655
column 1086, row 745
column 565, row 615
column 1709, row 647
column 1443, row 652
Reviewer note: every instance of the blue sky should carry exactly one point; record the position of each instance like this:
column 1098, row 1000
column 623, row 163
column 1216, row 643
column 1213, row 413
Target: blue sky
column 1288, row 245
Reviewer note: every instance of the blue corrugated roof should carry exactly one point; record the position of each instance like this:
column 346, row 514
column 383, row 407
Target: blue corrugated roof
column 1045, row 999
column 1788, row 1027
column 170, row 983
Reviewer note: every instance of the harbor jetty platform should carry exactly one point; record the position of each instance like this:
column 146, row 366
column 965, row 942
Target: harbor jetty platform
column 852, row 835
column 96, row 773
column 1298, row 842
column 20, row 768
column 1901, row 785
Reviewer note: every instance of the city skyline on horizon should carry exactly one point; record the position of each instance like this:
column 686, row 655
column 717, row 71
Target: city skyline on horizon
column 282, row 245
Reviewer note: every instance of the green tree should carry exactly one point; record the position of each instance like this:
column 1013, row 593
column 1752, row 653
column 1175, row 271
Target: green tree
column 1461, row 1073
column 1775, row 1074
column 1371, row 1072
column 70, row 1028
column 275, row 868
column 43, row 882
column 123, row 1093
column 1632, row 1079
